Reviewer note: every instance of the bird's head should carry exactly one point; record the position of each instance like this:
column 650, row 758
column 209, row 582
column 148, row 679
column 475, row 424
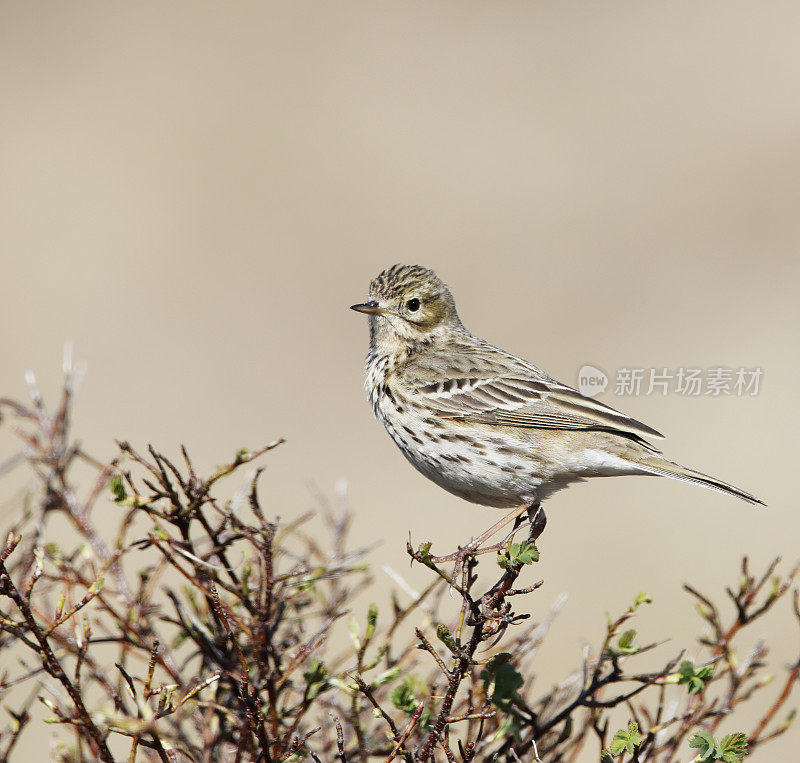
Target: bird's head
column 408, row 304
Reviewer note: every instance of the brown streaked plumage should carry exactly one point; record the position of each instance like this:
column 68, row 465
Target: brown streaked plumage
column 483, row 423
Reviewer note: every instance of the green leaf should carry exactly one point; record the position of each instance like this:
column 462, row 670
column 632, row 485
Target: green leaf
column 404, row 698
column 370, row 664
column 618, row 745
column 705, row 742
column 505, row 678
column 642, row 598
column 317, row 574
column 392, row 674
column 523, row 553
column 633, row 733
column 626, row 741
column 625, row 644
column 121, row 498
column 159, row 532
column 734, row 747
column 372, row 619
column 424, row 552
column 444, row 635
column 518, row 553
column 352, row 625
column 606, row 757
column 316, row 678
column 694, row 678
column 117, row 488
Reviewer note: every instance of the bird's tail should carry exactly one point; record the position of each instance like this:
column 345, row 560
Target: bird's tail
column 665, row 468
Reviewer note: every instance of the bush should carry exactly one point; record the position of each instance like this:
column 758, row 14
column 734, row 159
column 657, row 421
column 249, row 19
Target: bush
column 200, row 630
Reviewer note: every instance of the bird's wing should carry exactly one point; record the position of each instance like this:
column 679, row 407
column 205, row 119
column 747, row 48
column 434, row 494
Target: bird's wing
column 505, row 390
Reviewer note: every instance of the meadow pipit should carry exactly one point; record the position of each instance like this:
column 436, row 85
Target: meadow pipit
column 483, row 423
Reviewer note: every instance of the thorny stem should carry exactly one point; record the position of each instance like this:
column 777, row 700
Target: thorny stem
column 406, row 732
column 52, row 664
column 250, row 701
column 456, row 675
column 483, row 613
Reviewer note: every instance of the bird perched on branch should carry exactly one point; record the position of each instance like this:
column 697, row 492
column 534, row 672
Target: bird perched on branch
column 482, row 423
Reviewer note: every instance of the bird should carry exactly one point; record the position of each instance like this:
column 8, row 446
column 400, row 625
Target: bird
column 484, row 424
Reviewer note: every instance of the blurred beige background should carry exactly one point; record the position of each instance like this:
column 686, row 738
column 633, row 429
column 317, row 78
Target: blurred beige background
column 195, row 193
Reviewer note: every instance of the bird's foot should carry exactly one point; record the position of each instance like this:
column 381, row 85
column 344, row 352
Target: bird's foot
column 475, row 548
column 464, row 555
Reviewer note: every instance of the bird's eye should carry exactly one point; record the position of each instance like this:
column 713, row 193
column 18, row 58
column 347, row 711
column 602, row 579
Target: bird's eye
column 413, row 304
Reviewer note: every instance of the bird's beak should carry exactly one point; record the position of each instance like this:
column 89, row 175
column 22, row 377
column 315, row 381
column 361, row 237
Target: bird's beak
column 370, row 308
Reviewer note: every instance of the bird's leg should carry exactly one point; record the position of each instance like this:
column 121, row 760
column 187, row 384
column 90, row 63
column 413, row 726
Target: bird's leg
column 473, row 548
